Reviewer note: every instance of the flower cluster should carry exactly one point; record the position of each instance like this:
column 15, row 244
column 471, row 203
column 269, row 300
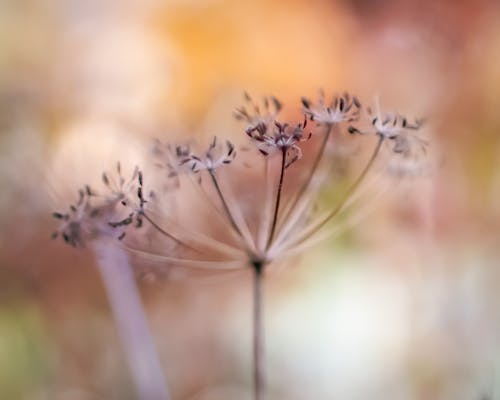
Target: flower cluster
column 282, row 137
column 340, row 109
column 107, row 214
column 258, row 116
column 216, row 155
column 271, row 138
column 280, row 220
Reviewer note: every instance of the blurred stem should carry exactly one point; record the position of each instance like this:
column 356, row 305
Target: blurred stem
column 258, row 330
column 317, row 160
column 346, row 195
column 224, row 203
column 165, row 233
column 118, row 278
column 278, row 197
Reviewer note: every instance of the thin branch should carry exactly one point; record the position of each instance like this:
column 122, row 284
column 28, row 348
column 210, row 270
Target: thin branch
column 264, row 222
column 336, row 230
column 278, row 198
column 316, row 227
column 307, row 182
column 165, row 233
column 211, row 172
column 239, row 219
column 202, row 240
column 198, row 264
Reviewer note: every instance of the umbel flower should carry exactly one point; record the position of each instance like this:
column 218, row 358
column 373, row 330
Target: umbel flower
column 106, row 214
column 99, row 222
column 281, row 219
column 340, row 109
column 256, row 115
column 282, row 138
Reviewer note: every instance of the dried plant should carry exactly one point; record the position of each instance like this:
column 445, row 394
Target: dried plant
column 98, row 222
column 282, row 219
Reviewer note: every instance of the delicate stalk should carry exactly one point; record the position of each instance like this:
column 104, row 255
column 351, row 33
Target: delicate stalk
column 258, row 331
column 164, row 232
column 278, row 198
column 224, row 203
column 116, row 272
column 315, row 228
column 305, row 185
column 202, row 240
column 266, row 210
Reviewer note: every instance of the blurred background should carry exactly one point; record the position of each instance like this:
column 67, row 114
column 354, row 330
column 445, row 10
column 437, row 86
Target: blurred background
column 403, row 306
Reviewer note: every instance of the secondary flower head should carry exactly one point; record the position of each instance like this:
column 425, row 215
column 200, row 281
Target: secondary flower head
column 391, row 125
column 282, row 137
column 340, row 109
column 170, row 157
column 407, row 146
column 217, row 155
column 108, row 214
column 258, row 115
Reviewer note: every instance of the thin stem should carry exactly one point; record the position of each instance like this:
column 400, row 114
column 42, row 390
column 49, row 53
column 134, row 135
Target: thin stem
column 224, row 203
column 266, row 213
column 258, row 331
column 346, row 196
column 164, row 232
column 278, row 198
column 118, row 278
column 202, row 240
column 314, row 167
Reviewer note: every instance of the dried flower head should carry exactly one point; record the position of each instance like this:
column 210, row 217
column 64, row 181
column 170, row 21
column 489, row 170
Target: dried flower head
column 256, row 115
column 283, row 138
column 409, row 149
column 340, row 109
column 170, row 157
column 389, row 125
column 217, row 155
column 410, row 155
column 106, row 214
column 281, row 219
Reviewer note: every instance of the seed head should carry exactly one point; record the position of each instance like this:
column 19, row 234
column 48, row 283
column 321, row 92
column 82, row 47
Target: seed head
column 340, row 109
column 258, row 116
column 282, row 137
column 107, row 214
column 171, row 157
column 218, row 154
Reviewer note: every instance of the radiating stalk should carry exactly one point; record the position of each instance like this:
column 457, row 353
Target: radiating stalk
column 224, row 203
column 278, row 198
column 117, row 275
column 311, row 231
column 165, row 233
column 312, row 171
column 258, row 331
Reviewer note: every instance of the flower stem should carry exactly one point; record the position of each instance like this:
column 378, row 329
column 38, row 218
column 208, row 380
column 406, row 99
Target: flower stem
column 224, row 203
column 278, row 198
column 346, row 195
column 165, row 233
column 116, row 272
column 313, row 169
column 258, row 331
